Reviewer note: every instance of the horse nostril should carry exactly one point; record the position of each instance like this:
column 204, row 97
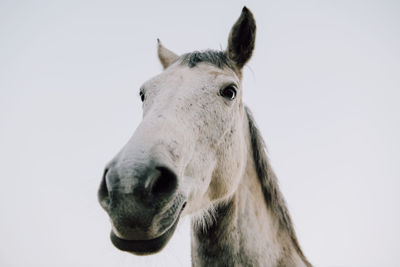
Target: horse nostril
column 164, row 183
column 103, row 194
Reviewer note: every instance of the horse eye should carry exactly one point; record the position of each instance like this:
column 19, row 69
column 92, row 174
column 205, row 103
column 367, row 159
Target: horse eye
column 229, row 92
column 141, row 94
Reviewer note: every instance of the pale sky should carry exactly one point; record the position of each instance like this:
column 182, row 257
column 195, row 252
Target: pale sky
column 323, row 84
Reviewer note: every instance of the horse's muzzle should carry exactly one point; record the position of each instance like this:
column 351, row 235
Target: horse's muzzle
column 145, row 247
column 143, row 205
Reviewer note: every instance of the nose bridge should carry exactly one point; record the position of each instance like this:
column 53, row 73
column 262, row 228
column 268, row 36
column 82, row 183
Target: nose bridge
column 161, row 136
column 147, row 166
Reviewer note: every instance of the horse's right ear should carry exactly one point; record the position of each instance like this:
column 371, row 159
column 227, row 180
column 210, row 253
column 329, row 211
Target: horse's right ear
column 166, row 56
column 242, row 39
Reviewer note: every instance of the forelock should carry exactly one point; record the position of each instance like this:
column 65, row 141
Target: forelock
column 213, row 57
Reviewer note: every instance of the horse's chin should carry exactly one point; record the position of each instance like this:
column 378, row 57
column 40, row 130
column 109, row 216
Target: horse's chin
column 145, row 247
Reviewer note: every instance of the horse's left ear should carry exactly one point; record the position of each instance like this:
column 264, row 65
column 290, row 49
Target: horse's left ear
column 242, row 39
column 166, row 56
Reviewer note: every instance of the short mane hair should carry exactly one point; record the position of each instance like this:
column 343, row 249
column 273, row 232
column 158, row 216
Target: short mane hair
column 213, row 57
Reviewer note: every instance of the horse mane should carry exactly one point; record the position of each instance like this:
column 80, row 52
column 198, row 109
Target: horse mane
column 269, row 183
column 213, row 57
column 217, row 58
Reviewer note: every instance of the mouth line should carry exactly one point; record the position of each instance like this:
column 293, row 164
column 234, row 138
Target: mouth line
column 144, row 247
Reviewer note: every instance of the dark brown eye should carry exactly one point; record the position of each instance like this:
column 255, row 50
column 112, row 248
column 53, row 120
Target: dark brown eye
column 141, row 94
column 229, row 92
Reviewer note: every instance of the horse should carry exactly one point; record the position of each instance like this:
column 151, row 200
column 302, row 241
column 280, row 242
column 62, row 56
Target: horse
column 198, row 153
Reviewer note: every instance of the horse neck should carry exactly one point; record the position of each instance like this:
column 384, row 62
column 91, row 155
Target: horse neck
column 246, row 232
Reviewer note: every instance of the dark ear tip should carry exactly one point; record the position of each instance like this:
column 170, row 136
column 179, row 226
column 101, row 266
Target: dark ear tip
column 246, row 13
column 158, row 41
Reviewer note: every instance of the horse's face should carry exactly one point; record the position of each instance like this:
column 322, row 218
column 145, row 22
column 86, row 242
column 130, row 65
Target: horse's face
column 189, row 150
column 193, row 124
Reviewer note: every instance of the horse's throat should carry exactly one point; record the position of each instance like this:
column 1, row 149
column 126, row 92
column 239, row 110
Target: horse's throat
column 243, row 234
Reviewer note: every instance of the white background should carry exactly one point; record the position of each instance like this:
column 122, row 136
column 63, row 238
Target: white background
column 323, row 85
